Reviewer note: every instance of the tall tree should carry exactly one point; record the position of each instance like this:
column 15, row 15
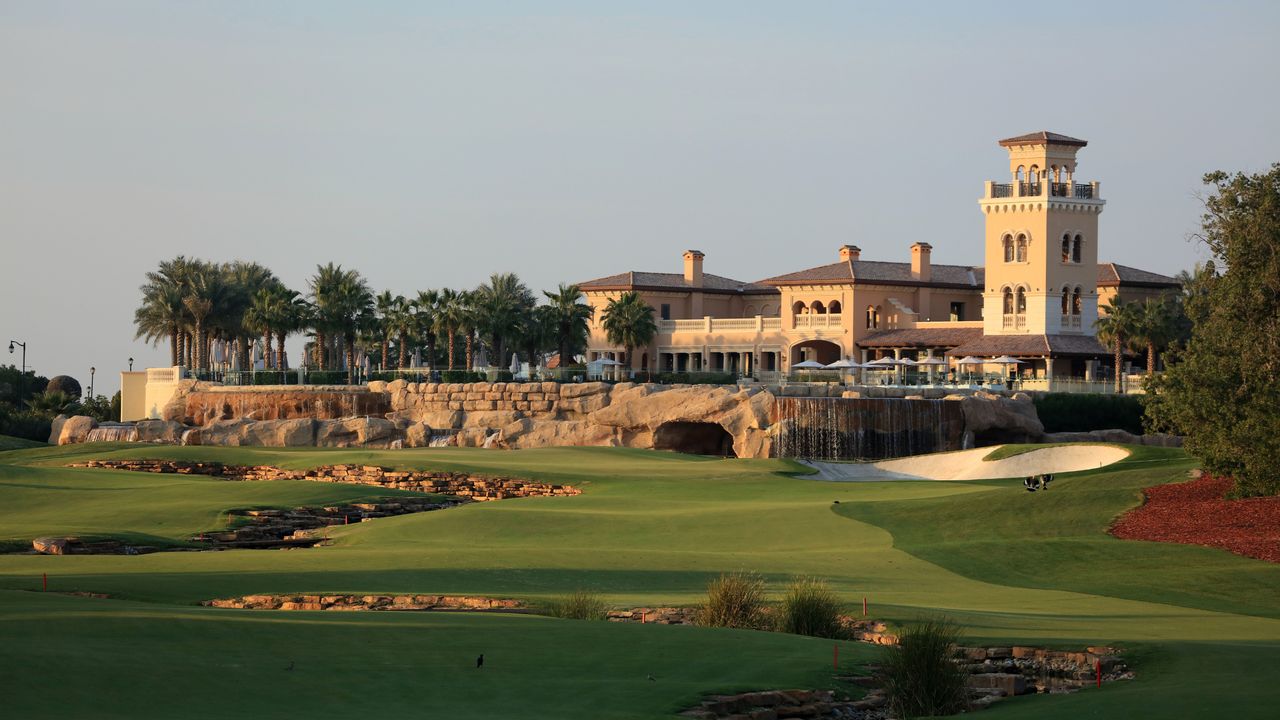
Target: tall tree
column 1116, row 326
column 628, row 321
column 343, row 306
column 387, row 305
column 1221, row 391
column 571, row 319
column 425, row 308
column 162, row 312
column 500, row 306
column 1154, row 328
column 448, row 320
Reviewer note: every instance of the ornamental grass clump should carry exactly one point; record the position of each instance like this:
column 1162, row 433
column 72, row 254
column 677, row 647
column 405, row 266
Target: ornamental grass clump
column 578, row 605
column 919, row 675
column 734, row 600
column 810, row 608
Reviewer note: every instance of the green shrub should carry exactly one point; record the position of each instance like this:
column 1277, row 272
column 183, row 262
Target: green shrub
column 810, row 608
column 26, row 424
column 327, row 377
column 919, row 675
column 503, row 376
column 578, row 605
column 734, row 600
column 1080, row 412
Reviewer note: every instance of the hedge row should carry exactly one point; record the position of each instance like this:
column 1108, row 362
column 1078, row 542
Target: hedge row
column 1079, row 412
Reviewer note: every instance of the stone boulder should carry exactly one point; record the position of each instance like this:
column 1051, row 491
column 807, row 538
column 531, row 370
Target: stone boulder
column 55, row 431
column 74, row 429
column 356, row 432
column 160, row 431
column 991, row 418
column 646, row 413
column 439, row 419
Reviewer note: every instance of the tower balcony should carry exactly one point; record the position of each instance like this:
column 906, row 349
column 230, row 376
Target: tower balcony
column 1078, row 191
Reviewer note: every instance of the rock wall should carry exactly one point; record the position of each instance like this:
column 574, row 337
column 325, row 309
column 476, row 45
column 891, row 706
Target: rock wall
column 707, row 419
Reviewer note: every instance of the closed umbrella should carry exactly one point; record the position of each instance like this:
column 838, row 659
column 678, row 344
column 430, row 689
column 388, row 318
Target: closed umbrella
column 515, row 364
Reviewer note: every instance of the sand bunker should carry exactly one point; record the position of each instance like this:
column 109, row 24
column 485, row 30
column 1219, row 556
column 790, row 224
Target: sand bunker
column 969, row 465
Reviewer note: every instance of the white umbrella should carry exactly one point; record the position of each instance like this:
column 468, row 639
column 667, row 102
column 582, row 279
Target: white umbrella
column 608, row 361
column 808, row 365
column 908, row 362
column 515, row 364
column 843, row 365
column 1006, row 360
column 884, row 362
column 971, row 360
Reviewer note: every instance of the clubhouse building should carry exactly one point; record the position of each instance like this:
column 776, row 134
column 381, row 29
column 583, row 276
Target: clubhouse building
column 1035, row 297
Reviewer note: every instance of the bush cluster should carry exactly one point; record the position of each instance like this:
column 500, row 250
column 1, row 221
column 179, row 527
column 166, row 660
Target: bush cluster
column 810, row 608
column 578, row 605
column 734, row 600
column 1080, row 412
column 919, row 675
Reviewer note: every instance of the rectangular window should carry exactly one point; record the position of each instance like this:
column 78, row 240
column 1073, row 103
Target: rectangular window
column 666, row 311
column 957, row 311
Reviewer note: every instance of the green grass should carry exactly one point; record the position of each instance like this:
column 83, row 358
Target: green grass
column 8, row 442
column 651, row 528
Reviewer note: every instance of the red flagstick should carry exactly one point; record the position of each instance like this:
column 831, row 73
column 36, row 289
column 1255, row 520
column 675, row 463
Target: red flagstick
column 864, row 606
column 1099, row 663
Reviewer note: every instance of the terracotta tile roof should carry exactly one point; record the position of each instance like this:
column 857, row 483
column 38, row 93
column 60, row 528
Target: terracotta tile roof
column 921, row 337
column 879, row 273
column 1043, row 136
column 1032, row 346
column 1113, row 274
column 672, row 281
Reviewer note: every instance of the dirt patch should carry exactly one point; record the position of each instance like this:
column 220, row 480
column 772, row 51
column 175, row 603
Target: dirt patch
column 1197, row 513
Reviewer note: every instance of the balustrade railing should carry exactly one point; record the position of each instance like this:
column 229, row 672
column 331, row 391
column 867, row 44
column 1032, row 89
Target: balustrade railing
column 1001, row 190
column 818, row 320
column 1014, row 322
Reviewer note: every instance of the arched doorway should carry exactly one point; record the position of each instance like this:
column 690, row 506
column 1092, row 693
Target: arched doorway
column 823, row 351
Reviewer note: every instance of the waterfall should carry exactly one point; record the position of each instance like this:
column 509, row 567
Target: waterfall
column 441, row 438
column 113, row 433
column 865, row 428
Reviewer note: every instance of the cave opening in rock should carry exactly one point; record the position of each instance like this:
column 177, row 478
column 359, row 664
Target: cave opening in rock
column 695, row 438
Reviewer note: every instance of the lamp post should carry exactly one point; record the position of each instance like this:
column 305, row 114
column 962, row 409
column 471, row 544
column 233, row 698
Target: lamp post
column 130, row 364
column 92, row 370
column 24, row 352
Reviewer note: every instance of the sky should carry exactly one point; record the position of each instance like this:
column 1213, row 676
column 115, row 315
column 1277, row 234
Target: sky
column 428, row 145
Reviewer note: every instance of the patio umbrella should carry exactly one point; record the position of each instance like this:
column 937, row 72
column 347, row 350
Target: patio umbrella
column 808, row 365
column 971, row 360
column 908, row 362
column 1006, row 360
column 515, row 364
column 842, row 365
column 883, row 363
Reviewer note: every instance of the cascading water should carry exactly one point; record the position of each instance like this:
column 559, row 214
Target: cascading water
column 113, row 433
column 865, row 428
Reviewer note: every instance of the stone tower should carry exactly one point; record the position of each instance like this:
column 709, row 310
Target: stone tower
column 1041, row 241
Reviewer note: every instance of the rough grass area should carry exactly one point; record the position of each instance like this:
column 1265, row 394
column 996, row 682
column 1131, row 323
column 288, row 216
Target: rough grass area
column 1201, row 625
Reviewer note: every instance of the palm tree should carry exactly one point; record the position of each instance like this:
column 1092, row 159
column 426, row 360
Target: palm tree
column 162, row 312
column 425, row 309
column 468, row 321
column 323, row 286
column 1115, row 328
column 387, row 305
column 537, row 332
column 343, row 307
column 449, row 318
column 262, row 316
column 1153, row 327
column 500, row 305
column 628, row 321
column 570, row 319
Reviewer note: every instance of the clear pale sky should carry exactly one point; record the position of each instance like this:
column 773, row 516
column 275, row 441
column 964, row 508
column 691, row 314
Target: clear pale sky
column 430, row 144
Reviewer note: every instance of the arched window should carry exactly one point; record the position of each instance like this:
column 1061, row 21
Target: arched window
column 834, row 307
column 1008, row 301
column 876, row 316
column 1066, row 247
column 1022, row 248
column 1077, row 249
column 798, row 308
column 871, row 316
column 1075, row 302
column 1022, row 301
column 1018, row 175
column 1066, row 300
column 817, row 307
column 749, row 311
column 1008, row 248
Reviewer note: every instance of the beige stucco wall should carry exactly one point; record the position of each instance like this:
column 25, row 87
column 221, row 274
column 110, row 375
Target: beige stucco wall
column 161, row 384
column 133, row 395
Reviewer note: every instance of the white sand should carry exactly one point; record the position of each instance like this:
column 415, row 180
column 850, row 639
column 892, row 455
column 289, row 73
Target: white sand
column 969, row 465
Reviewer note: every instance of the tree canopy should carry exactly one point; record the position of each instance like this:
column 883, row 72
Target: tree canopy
column 1222, row 391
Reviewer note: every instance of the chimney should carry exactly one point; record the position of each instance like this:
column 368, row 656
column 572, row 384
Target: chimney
column 850, row 252
column 920, row 267
column 693, row 267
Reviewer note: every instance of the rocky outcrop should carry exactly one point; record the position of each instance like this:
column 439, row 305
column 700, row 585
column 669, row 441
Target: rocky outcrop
column 213, row 403
column 160, row 431
column 992, row 419
column 463, row 485
column 69, row 430
column 366, row 602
